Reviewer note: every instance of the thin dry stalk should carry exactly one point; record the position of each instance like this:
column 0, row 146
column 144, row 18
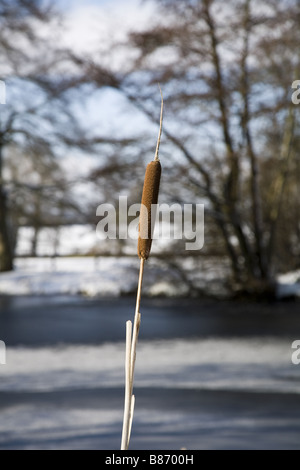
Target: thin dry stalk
column 128, row 376
column 156, row 158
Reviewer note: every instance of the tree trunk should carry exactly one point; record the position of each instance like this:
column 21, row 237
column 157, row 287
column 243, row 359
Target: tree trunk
column 286, row 156
column 257, row 211
column 34, row 241
column 231, row 187
column 6, row 255
column 6, row 252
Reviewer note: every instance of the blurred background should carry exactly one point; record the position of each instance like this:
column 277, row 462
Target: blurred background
column 78, row 127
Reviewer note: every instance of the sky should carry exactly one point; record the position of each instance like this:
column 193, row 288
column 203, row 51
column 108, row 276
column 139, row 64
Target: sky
column 87, row 21
column 90, row 26
column 71, row 4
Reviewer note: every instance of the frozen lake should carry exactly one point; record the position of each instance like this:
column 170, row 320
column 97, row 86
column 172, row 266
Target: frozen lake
column 209, row 375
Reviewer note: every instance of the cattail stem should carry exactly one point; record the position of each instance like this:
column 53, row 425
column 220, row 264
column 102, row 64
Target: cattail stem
column 131, row 344
column 128, row 399
column 137, row 318
column 149, row 198
column 156, row 158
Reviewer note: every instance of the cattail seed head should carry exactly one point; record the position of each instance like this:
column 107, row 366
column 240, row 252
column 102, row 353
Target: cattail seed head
column 150, row 197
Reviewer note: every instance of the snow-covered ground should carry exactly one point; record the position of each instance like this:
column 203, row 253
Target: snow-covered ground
column 109, row 276
column 289, row 285
column 89, row 276
column 86, row 276
column 114, row 276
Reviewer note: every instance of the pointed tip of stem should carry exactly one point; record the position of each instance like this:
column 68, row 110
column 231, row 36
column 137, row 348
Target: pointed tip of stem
column 156, row 158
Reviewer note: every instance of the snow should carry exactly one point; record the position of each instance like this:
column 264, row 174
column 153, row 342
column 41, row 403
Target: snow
column 63, row 241
column 210, row 364
column 115, row 276
column 88, row 276
column 289, row 285
column 52, row 429
column 71, row 397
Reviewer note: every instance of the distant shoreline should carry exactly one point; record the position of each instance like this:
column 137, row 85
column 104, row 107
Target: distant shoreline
column 112, row 276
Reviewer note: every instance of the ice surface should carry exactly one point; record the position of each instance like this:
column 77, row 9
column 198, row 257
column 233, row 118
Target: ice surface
column 198, row 394
column 216, row 364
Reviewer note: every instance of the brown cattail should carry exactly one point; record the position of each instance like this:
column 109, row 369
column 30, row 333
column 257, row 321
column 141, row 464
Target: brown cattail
column 150, row 197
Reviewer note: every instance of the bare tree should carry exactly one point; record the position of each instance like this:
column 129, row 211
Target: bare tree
column 226, row 71
column 40, row 78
